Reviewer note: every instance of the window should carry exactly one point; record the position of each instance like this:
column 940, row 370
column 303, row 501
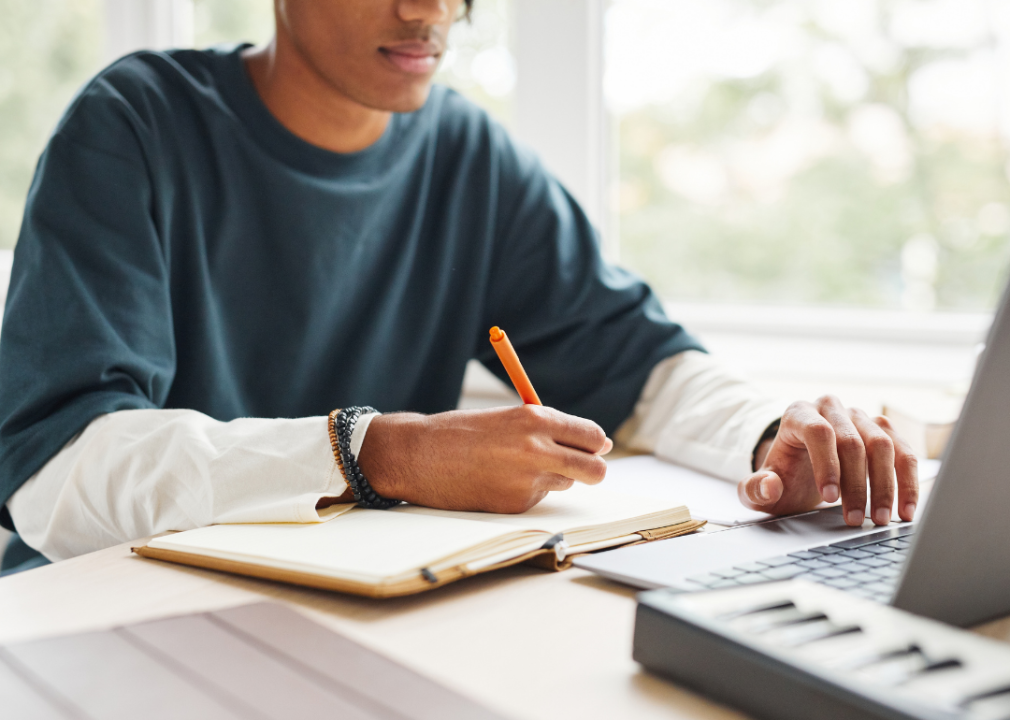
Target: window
column 48, row 49
column 814, row 151
column 230, row 21
column 479, row 61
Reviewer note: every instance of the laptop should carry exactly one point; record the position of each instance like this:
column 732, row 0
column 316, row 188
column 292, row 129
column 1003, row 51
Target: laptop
column 951, row 564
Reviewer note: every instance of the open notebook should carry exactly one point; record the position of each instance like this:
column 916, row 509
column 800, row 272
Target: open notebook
column 408, row 549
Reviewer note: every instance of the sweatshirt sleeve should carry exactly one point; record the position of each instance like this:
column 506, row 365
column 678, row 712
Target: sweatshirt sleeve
column 694, row 412
column 88, row 324
column 135, row 473
column 588, row 332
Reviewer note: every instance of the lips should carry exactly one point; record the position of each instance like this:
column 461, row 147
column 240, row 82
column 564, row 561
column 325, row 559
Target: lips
column 415, row 57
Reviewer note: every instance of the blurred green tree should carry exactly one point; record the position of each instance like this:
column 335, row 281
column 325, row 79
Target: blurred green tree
column 48, row 49
column 782, row 187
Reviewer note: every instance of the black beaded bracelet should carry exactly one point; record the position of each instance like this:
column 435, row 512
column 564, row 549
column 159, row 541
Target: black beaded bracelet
column 343, row 422
column 769, row 434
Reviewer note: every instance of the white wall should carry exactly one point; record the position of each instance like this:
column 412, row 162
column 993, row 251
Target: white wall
column 559, row 108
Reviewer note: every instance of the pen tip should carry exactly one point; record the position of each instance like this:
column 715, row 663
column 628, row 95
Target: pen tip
column 496, row 334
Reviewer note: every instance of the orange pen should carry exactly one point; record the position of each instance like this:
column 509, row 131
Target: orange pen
column 507, row 355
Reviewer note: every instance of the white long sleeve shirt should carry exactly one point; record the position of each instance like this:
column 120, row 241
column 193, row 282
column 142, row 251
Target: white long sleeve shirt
column 134, row 473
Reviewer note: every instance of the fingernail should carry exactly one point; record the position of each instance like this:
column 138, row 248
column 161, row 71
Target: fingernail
column 910, row 510
column 830, row 493
column 854, row 517
column 882, row 516
column 762, row 489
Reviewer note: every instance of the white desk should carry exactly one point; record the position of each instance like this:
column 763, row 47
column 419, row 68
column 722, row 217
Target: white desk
column 528, row 643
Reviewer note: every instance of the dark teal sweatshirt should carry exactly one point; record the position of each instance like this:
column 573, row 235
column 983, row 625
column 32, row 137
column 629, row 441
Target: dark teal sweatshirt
column 181, row 249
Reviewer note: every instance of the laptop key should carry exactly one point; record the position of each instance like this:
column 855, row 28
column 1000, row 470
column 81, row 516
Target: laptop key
column 813, row 564
column 805, row 555
column 874, row 562
column 824, row 550
column 782, row 572
column 851, row 567
column 724, row 583
column 877, row 574
column 750, row 579
column 837, row 559
column 865, row 576
column 842, row 583
column 777, row 561
column 875, row 549
column 856, row 554
column 893, row 556
column 749, row 567
column 830, row 572
column 728, row 573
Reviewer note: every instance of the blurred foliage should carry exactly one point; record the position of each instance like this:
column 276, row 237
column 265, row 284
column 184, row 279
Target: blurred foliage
column 837, row 230
column 232, row 21
column 48, row 49
column 479, row 63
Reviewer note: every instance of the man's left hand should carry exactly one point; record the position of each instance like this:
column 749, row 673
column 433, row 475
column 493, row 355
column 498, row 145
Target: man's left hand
column 823, row 450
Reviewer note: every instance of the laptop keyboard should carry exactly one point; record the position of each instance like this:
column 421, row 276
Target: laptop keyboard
column 868, row 566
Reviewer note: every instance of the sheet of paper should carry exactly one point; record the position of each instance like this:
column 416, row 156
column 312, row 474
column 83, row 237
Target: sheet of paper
column 583, row 507
column 708, row 498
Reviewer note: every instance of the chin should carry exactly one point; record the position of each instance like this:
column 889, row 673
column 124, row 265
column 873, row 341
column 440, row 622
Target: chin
column 404, row 100
column 393, row 93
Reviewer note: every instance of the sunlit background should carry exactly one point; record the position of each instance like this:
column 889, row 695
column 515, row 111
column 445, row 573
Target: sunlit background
column 814, row 152
column 798, row 152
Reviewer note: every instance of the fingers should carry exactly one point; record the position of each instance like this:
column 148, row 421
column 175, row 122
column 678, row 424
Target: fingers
column 577, row 465
column 803, row 422
column 568, row 430
column 552, row 482
column 573, row 445
column 849, row 445
column 907, row 468
column 761, row 491
column 880, row 462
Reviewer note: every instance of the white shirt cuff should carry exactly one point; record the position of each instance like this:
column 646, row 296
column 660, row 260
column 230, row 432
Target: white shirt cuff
column 694, row 412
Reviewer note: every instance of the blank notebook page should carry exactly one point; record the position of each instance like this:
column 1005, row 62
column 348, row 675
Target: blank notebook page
column 580, row 507
column 365, row 544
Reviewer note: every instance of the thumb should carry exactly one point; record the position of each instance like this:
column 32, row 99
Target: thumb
column 760, row 491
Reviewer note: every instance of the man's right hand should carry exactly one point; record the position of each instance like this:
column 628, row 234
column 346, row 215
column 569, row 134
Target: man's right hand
column 502, row 460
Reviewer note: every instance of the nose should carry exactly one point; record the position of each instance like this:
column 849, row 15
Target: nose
column 427, row 12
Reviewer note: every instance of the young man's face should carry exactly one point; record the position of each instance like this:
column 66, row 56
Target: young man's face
column 379, row 53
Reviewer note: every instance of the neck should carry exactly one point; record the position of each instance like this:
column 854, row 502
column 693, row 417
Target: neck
column 306, row 103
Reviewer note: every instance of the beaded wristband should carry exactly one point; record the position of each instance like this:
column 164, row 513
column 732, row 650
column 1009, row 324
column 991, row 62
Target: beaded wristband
column 342, row 422
column 769, row 434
